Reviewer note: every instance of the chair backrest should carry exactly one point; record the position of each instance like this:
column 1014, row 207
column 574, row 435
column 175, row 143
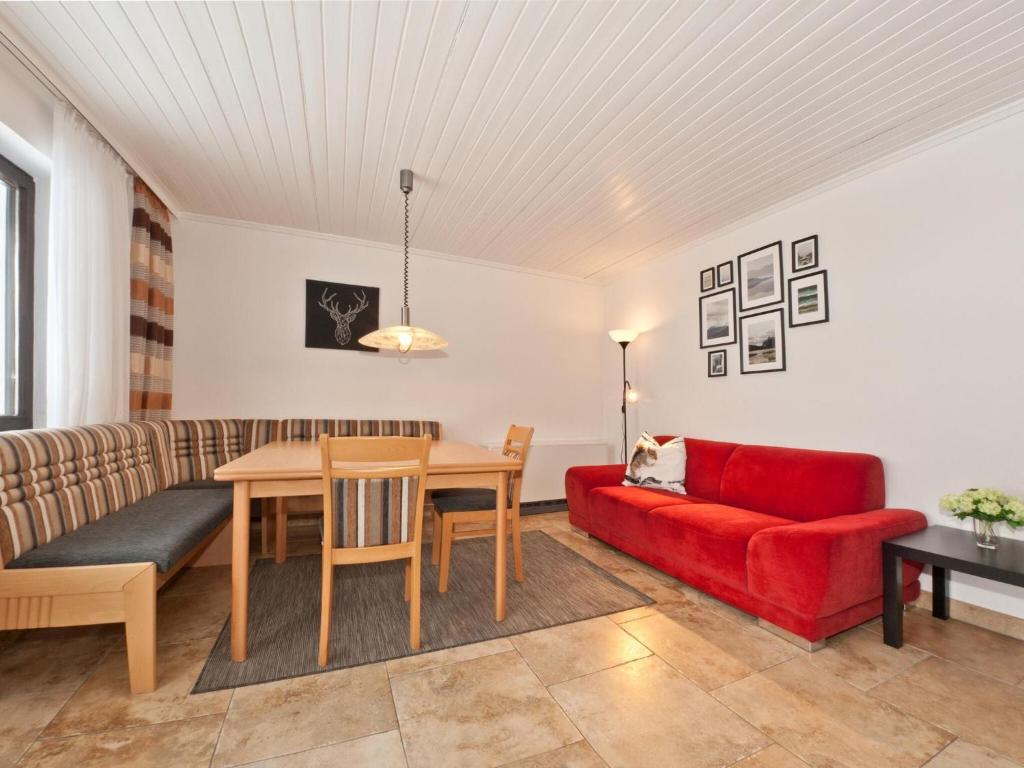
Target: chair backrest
column 517, row 446
column 373, row 490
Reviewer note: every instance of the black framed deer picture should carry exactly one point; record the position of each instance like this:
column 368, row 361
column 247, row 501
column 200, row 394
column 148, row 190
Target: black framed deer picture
column 338, row 315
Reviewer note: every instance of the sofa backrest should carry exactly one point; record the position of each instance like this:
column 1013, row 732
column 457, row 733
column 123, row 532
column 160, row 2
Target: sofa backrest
column 198, row 446
column 800, row 484
column 53, row 481
column 705, row 461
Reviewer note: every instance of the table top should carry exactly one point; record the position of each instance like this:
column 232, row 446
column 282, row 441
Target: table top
column 957, row 549
column 300, row 460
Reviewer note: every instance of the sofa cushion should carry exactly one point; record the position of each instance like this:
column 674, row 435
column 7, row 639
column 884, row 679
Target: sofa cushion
column 54, row 481
column 712, row 538
column 161, row 529
column 623, row 509
column 802, row 485
column 705, row 461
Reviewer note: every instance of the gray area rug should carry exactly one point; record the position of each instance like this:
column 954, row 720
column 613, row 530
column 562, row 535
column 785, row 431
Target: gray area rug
column 371, row 618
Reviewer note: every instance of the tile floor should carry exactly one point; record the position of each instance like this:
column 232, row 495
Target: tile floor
column 686, row 682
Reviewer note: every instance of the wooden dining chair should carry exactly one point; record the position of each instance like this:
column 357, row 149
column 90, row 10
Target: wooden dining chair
column 464, row 506
column 373, row 512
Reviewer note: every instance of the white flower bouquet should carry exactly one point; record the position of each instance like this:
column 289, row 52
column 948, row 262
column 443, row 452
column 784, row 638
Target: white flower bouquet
column 987, row 507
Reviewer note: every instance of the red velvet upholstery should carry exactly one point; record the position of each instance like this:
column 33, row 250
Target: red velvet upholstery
column 802, row 485
column 712, row 537
column 821, row 567
column 795, row 536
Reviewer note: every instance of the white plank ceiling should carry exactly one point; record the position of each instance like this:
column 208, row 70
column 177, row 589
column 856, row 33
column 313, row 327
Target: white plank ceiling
column 563, row 136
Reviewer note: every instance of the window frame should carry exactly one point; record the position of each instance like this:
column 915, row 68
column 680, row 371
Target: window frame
column 25, row 191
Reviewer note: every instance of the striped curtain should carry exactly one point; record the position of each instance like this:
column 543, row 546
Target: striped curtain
column 152, row 313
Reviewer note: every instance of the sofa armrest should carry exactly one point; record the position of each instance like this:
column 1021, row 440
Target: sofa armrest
column 825, row 566
column 580, row 481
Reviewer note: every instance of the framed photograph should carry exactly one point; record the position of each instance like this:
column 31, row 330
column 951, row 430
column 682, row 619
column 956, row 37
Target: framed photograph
column 338, row 315
column 760, row 276
column 808, row 299
column 716, row 363
column 718, row 319
column 725, row 274
column 763, row 342
column 707, row 279
column 805, row 253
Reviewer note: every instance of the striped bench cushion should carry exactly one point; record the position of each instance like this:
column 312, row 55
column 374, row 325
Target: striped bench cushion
column 53, row 481
column 369, row 513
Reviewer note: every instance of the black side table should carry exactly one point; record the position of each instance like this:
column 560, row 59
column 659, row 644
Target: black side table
column 945, row 549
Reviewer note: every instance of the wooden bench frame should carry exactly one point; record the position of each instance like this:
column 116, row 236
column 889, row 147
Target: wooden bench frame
column 36, row 598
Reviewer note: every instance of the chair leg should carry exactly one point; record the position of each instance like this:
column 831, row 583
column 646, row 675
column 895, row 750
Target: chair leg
column 517, row 546
column 435, row 540
column 414, row 604
column 140, row 630
column 447, row 529
column 408, row 580
column 280, row 530
column 326, row 593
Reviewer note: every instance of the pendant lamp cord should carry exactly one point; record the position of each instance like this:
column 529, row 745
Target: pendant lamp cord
column 406, row 250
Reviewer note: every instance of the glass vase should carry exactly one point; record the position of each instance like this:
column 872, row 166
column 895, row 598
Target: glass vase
column 985, row 533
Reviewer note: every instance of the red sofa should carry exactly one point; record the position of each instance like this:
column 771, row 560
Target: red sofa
column 793, row 536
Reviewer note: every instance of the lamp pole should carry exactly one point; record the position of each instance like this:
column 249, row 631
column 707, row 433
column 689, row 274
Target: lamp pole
column 625, row 392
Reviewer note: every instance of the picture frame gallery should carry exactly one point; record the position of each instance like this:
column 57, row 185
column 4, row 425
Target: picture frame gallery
column 758, row 282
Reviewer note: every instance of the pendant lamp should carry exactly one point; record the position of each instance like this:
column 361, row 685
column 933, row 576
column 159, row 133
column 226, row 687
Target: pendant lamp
column 404, row 337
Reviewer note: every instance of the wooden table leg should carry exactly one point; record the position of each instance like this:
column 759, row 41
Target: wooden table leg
column 892, row 597
column 501, row 547
column 240, row 572
column 940, row 592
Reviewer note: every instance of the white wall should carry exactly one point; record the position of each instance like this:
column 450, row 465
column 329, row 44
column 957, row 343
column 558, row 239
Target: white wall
column 26, row 138
column 923, row 360
column 523, row 348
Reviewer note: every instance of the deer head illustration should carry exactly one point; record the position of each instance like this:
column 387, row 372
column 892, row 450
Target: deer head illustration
column 342, row 320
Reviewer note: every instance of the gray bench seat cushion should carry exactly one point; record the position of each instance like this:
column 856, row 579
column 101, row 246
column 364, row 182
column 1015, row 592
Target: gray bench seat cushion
column 463, row 499
column 200, row 485
column 162, row 529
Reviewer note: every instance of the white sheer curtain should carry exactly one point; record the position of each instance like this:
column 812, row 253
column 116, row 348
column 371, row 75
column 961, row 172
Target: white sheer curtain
column 88, row 301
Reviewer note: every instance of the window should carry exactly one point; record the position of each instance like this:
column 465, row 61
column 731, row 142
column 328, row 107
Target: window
column 17, row 201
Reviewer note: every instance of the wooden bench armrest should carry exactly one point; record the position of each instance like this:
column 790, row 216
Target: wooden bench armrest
column 70, row 580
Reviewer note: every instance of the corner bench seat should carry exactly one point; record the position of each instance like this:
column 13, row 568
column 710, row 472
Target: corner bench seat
column 162, row 529
column 95, row 519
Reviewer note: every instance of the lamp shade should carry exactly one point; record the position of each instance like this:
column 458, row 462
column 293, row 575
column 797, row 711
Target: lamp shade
column 404, row 338
column 623, row 335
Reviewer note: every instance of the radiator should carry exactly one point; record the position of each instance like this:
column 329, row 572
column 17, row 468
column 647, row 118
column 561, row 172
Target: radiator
column 544, row 478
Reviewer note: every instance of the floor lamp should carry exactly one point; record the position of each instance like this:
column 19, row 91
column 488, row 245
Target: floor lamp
column 623, row 337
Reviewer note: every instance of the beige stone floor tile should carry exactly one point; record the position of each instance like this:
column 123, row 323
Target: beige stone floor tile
column 181, row 744
column 185, row 617
column 632, row 614
column 827, row 722
column 301, row 713
column 729, row 611
column 381, row 750
column 647, row 714
column 772, row 756
column 484, row 712
column 105, row 701
column 191, row 581
column 560, row 653
column 708, row 648
column 966, row 644
column 47, row 661
column 861, row 658
column 22, row 719
column 962, row 754
column 980, row 709
column 447, row 656
column 577, row 755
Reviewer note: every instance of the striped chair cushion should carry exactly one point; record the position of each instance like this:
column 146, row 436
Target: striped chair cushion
column 198, row 446
column 54, row 481
column 369, row 513
column 258, row 432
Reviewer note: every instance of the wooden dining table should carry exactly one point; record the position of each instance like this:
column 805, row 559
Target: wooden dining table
column 293, row 468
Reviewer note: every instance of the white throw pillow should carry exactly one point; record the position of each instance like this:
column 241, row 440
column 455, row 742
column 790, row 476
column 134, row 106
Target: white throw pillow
column 657, row 466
